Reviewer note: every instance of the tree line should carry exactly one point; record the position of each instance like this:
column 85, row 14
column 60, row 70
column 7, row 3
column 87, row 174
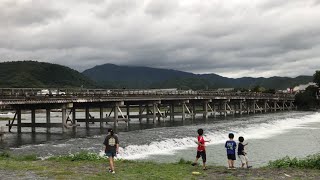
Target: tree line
column 309, row 99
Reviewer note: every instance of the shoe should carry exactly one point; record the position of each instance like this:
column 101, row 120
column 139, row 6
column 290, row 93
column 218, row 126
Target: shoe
column 233, row 168
column 229, row 168
column 112, row 172
column 205, row 168
column 193, row 164
column 249, row 167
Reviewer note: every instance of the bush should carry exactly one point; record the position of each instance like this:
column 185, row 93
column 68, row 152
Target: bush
column 7, row 155
column 80, row 156
column 310, row 162
column 182, row 161
column 4, row 155
column 30, row 157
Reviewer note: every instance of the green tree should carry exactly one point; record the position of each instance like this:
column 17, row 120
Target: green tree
column 258, row 88
column 307, row 99
column 316, row 78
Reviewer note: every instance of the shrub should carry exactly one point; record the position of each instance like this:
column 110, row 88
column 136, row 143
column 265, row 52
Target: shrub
column 310, row 162
column 4, row 155
column 182, row 161
column 80, row 156
column 30, row 157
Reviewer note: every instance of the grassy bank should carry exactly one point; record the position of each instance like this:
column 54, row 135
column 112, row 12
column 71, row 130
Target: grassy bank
column 310, row 162
column 5, row 118
column 90, row 166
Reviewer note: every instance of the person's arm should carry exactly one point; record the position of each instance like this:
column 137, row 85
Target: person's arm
column 117, row 150
column 198, row 143
column 104, row 145
column 117, row 145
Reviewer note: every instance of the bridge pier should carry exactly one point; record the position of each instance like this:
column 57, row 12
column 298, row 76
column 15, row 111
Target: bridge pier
column 48, row 112
column 193, row 110
column 183, row 111
column 74, row 119
column 19, row 120
column 205, row 110
column 154, row 105
column 64, row 118
column 33, row 120
column 101, row 117
column 128, row 111
column 116, row 114
column 172, row 111
column 87, row 114
column 140, row 112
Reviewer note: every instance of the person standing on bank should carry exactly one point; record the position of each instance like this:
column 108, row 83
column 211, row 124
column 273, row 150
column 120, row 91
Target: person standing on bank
column 111, row 143
column 231, row 151
column 201, row 150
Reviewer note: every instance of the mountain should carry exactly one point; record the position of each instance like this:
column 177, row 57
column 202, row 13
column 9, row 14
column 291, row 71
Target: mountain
column 40, row 74
column 114, row 76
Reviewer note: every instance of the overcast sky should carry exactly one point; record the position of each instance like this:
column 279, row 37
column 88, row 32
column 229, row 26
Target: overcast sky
column 233, row 38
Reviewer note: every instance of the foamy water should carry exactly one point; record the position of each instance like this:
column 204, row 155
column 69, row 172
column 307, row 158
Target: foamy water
column 255, row 131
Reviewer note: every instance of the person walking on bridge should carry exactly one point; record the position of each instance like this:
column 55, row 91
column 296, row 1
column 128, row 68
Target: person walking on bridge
column 111, row 143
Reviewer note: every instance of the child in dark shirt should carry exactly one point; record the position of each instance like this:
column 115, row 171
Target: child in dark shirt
column 231, row 151
column 242, row 154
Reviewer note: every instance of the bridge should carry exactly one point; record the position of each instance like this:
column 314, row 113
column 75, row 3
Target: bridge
column 125, row 105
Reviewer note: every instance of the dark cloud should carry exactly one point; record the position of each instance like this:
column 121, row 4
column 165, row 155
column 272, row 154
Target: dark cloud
column 231, row 38
column 27, row 13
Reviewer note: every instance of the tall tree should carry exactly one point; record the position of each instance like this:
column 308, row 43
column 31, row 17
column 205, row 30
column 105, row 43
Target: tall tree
column 316, row 78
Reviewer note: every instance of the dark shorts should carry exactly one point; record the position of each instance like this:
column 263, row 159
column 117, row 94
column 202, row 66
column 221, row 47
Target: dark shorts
column 231, row 156
column 110, row 153
column 202, row 154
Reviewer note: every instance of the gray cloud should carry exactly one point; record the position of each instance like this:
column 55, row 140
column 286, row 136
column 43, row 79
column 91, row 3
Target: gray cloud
column 230, row 38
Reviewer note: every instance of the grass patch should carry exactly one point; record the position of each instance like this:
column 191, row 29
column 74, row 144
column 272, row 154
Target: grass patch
column 310, row 162
column 86, row 165
column 5, row 118
column 7, row 156
column 80, row 156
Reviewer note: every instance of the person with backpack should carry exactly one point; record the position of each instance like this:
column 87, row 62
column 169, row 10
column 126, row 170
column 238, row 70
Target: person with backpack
column 111, row 143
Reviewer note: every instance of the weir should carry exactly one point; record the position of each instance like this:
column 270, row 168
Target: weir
column 149, row 104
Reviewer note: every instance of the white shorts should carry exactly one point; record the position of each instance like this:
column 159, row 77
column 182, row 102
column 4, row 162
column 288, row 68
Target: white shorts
column 243, row 158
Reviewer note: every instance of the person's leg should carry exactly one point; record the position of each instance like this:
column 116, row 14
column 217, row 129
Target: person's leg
column 241, row 157
column 247, row 162
column 197, row 157
column 204, row 160
column 229, row 163
column 111, row 163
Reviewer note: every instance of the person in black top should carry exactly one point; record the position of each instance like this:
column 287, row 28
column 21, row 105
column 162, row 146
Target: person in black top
column 242, row 154
column 111, row 149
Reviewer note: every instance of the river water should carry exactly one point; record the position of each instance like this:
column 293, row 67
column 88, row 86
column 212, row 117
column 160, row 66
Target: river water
column 270, row 136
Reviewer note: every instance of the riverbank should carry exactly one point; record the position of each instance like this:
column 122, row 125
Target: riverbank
column 91, row 166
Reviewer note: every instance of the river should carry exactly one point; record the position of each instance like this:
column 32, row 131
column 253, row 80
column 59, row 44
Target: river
column 270, row 136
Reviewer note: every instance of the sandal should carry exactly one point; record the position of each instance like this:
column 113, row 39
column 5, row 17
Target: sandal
column 193, row 164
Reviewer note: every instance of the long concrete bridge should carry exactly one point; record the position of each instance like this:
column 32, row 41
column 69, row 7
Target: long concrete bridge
column 161, row 104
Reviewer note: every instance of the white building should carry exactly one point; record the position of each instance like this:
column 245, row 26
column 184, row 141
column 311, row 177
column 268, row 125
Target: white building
column 302, row 87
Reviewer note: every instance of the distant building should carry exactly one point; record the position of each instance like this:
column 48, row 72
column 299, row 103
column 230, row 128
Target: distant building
column 303, row 87
column 225, row 89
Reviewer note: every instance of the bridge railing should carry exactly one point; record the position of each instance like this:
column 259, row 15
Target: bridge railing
column 20, row 93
